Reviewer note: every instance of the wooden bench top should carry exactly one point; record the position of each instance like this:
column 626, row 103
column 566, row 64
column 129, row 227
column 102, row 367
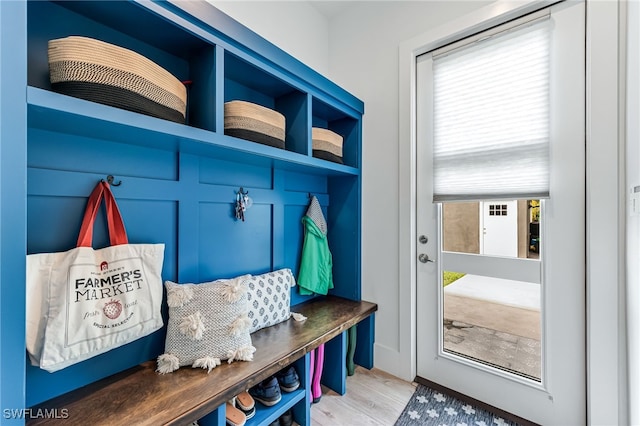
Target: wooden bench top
column 141, row 396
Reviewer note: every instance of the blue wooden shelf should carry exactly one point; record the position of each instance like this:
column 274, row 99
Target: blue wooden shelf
column 266, row 415
column 65, row 114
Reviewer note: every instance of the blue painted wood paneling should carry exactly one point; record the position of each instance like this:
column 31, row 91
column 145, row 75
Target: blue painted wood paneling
column 234, row 175
column 228, row 247
column 13, row 139
column 178, row 181
column 93, row 155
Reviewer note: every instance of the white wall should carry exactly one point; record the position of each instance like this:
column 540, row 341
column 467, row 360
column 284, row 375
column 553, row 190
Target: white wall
column 294, row 26
column 607, row 390
column 633, row 221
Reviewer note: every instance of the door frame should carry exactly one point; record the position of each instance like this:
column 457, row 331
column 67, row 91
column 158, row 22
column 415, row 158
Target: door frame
column 606, row 375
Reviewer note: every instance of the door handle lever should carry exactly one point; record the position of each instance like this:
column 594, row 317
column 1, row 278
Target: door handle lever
column 424, row 258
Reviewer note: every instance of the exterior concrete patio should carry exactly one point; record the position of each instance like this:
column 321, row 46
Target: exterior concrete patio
column 494, row 321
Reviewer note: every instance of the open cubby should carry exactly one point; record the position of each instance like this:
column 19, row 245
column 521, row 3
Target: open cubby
column 246, row 82
column 125, row 24
column 343, row 123
column 178, row 187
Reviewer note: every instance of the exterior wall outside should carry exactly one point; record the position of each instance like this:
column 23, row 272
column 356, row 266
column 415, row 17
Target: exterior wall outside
column 461, row 223
column 523, row 228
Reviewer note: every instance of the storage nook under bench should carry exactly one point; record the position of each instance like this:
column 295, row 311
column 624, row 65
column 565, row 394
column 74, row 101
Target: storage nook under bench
column 178, row 187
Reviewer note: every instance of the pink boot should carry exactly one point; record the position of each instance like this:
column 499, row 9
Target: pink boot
column 316, row 389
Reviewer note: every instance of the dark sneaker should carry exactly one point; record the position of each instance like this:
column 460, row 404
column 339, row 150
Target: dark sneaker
column 288, row 379
column 286, row 419
column 267, row 392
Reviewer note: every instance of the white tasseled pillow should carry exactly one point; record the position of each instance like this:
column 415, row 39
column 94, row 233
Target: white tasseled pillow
column 208, row 323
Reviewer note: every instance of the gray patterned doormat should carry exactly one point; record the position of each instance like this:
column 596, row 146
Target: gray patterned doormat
column 429, row 407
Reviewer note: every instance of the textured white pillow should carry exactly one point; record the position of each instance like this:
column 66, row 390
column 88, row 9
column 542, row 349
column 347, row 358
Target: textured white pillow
column 269, row 298
column 208, row 323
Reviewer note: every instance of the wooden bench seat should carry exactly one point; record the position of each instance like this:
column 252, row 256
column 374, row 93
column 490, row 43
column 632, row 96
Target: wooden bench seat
column 141, row 396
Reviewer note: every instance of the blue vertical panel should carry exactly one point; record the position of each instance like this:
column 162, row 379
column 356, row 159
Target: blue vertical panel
column 278, row 242
column 365, row 340
column 334, row 374
column 349, row 129
column 188, row 260
column 202, row 92
column 220, row 92
column 294, row 107
column 344, row 235
column 13, row 138
column 301, row 413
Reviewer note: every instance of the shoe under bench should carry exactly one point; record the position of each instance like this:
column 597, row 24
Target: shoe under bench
column 141, row 396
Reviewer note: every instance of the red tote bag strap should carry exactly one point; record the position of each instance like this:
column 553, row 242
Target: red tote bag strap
column 85, row 237
column 117, row 232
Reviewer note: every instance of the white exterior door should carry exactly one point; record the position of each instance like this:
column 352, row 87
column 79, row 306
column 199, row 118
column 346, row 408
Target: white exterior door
column 499, row 228
column 558, row 395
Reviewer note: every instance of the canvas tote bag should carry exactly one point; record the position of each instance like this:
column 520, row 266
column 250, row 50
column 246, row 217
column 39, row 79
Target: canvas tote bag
column 84, row 302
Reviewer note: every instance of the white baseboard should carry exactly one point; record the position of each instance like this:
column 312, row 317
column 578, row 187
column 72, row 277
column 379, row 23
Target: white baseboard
column 393, row 362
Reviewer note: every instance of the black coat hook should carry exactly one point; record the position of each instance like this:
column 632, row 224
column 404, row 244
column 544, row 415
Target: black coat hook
column 242, row 191
column 110, row 180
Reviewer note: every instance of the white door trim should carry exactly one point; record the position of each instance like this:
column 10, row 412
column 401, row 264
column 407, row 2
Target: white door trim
column 607, row 399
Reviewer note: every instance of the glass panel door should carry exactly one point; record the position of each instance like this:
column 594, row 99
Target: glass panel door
column 493, row 321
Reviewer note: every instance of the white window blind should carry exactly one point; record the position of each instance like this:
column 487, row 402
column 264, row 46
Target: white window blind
column 491, row 117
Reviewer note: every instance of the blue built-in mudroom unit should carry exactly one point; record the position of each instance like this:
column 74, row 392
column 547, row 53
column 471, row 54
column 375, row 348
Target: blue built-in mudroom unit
column 178, row 181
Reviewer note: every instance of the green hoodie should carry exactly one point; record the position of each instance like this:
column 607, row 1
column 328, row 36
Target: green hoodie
column 315, row 274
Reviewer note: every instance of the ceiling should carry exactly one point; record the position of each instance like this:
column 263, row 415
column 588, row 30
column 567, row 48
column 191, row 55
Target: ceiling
column 330, row 8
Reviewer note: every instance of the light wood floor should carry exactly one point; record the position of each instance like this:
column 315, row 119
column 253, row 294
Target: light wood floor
column 373, row 398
